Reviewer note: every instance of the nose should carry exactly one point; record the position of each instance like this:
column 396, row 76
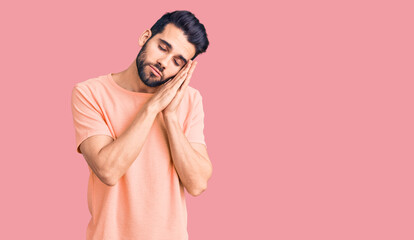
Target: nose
column 162, row 62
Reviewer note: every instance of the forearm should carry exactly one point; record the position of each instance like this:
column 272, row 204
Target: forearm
column 192, row 168
column 119, row 155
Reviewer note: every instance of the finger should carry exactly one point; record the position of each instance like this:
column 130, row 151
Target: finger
column 183, row 77
column 180, row 92
column 181, row 74
column 191, row 70
column 187, row 79
column 184, row 69
column 184, row 85
column 190, row 73
column 177, row 81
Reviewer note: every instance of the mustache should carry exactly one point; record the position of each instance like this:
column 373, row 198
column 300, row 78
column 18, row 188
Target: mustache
column 158, row 67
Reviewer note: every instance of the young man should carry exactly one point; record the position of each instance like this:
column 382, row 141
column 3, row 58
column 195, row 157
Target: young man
column 141, row 133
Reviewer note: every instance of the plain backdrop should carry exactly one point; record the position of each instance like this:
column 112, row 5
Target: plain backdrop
column 308, row 115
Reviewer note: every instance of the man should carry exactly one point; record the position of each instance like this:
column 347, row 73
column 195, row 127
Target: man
column 141, row 133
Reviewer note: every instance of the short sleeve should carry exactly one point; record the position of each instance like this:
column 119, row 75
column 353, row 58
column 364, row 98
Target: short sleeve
column 87, row 117
column 195, row 131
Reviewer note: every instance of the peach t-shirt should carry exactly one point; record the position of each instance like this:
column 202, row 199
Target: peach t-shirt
column 148, row 202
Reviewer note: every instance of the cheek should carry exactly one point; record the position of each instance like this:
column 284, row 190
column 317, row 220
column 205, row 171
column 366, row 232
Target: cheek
column 169, row 75
column 152, row 54
column 175, row 72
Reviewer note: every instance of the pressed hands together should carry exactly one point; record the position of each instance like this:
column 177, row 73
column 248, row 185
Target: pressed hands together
column 111, row 158
column 191, row 160
column 169, row 95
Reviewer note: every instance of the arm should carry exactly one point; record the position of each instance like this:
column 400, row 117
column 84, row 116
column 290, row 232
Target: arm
column 114, row 159
column 190, row 160
column 110, row 159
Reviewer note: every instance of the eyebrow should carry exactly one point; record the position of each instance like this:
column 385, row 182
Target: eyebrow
column 170, row 47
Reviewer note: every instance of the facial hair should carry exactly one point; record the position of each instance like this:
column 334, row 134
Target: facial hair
column 149, row 79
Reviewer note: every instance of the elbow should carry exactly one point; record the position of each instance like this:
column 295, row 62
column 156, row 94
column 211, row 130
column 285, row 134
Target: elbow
column 108, row 179
column 201, row 187
column 197, row 191
column 107, row 175
column 110, row 182
column 111, row 179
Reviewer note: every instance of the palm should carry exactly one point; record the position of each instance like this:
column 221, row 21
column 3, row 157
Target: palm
column 173, row 105
column 175, row 102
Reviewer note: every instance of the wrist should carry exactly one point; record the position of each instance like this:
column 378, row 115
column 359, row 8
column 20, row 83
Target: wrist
column 170, row 116
column 151, row 108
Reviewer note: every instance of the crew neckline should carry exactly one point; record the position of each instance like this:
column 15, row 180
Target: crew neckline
column 111, row 79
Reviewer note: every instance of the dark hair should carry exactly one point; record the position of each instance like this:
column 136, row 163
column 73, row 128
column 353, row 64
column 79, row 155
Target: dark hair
column 186, row 21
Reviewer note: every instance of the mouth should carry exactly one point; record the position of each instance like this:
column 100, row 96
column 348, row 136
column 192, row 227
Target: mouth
column 154, row 70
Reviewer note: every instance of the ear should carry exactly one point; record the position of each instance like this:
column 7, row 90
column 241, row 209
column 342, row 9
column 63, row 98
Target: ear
column 144, row 37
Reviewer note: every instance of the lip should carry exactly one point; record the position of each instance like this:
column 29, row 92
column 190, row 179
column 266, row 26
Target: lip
column 155, row 70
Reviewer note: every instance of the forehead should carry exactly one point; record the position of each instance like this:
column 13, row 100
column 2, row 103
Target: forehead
column 179, row 43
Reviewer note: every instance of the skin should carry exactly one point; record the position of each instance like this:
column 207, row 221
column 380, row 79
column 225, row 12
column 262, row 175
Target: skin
column 109, row 159
column 131, row 80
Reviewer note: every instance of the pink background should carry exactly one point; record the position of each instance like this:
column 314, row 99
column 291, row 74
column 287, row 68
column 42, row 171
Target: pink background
column 309, row 115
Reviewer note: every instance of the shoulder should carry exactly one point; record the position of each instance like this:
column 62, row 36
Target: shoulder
column 91, row 83
column 90, row 86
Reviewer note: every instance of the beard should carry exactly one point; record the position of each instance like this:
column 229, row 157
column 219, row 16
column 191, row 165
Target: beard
column 148, row 78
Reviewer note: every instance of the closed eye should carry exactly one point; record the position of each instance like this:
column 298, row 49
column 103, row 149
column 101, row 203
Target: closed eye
column 163, row 49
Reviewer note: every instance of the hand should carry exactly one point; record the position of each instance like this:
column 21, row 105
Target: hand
column 168, row 90
column 173, row 105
